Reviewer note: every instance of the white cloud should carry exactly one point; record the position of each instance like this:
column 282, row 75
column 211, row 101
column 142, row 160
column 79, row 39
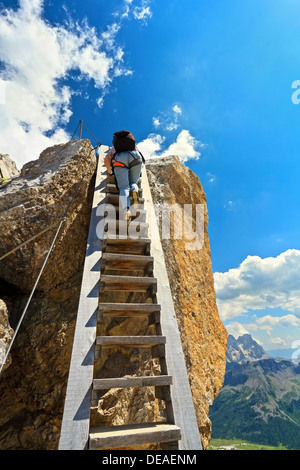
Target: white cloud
column 231, row 205
column 185, row 147
column 211, row 177
column 139, row 12
column 2, row 92
column 260, row 283
column 168, row 120
column 36, row 59
column 100, row 101
column 156, row 122
column 143, row 12
column 177, row 109
column 278, row 341
column 172, row 126
column 151, row 146
column 284, row 321
column 236, row 329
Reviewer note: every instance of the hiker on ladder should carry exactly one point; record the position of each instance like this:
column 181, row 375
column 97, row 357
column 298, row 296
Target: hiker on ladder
column 125, row 161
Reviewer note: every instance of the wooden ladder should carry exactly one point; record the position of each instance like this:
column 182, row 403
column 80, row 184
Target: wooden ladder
column 109, row 250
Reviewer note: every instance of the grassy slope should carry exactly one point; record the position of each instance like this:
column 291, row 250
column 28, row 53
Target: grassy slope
column 216, row 443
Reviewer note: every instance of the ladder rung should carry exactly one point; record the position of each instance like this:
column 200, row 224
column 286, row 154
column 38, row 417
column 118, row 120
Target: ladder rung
column 117, row 222
column 126, row 245
column 114, row 199
column 115, row 240
column 110, row 179
column 133, row 229
column 123, row 382
column 129, row 283
column 128, row 309
column 119, row 261
column 131, row 341
column 135, row 211
column 112, row 189
column 125, row 436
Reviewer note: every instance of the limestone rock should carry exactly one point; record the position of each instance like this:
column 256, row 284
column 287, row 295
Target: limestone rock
column 8, row 167
column 37, row 199
column 6, row 334
column 32, row 389
column 203, row 335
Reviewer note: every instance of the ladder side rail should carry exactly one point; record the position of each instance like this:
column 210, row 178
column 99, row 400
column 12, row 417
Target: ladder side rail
column 182, row 401
column 75, row 424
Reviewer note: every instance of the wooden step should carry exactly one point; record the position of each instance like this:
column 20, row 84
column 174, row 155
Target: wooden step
column 130, row 341
column 136, row 212
column 134, row 229
column 114, row 199
column 124, row 223
column 113, row 189
column 112, row 180
column 128, row 283
column 120, row 261
column 123, row 382
column 128, row 309
column 131, row 435
column 126, row 245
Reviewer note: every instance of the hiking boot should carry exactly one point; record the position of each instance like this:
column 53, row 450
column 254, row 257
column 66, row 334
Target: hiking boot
column 127, row 215
column 135, row 197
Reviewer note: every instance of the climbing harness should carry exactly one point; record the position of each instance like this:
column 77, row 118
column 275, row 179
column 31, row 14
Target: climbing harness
column 134, row 162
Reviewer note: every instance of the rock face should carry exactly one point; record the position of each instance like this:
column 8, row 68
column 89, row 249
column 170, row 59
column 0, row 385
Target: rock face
column 8, row 167
column 32, row 388
column 190, row 273
column 37, row 199
column 6, row 334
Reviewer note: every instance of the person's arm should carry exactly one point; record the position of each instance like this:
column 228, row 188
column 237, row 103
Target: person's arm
column 107, row 163
column 108, row 159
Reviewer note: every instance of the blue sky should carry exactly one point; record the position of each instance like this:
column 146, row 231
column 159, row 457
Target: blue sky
column 209, row 80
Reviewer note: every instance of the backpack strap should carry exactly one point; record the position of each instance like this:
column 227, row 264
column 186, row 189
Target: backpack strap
column 134, row 162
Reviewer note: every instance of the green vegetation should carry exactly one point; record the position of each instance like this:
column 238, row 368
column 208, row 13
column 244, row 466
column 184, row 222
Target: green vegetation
column 239, row 444
column 4, row 180
column 236, row 415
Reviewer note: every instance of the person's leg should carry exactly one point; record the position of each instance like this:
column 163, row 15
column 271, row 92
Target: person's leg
column 121, row 175
column 134, row 175
column 122, row 178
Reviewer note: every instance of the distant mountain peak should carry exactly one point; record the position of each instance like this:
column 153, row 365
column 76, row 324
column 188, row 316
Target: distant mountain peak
column 244, row 349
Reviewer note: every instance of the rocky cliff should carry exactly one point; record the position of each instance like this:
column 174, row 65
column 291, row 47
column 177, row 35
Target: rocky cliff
column 8, row 167
column 33, row 385
column 203, row 335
